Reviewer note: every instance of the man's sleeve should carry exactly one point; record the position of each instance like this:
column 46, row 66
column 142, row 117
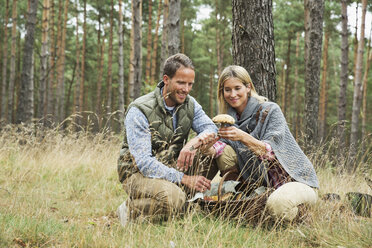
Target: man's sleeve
column 202, row 123
column 139, row 141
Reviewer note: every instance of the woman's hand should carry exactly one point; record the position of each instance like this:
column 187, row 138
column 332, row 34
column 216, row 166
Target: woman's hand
column 231, row 133
column 236, row 134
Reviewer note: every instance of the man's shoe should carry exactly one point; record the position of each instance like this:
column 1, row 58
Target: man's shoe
column 123, row 213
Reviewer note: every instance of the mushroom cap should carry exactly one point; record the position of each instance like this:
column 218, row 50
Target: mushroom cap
column 223, row 118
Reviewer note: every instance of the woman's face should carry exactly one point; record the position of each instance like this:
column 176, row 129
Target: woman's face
column 236, row 94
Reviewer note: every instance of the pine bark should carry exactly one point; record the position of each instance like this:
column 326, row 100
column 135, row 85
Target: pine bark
column 343, row 77
column 365, row 80
column 164, row 38
column 77, row 46
column 12, row 64
column 295, row 115
column 135, row 67
column 61, row 67
column 174, row 27
column 83, row 52
column 155, row 46
column 323, row 91
column 121, row 64
column 358, row 89
column 3, row 116
column 253, row 43
column 218, row 40
column 149, row 43
column 211, row 95
column 100, row 57
column 51, row 72
column 41, row 113
column 109, row 69
column 58, row 61
column 312, row 69
column 355, row 40
column 25, row 109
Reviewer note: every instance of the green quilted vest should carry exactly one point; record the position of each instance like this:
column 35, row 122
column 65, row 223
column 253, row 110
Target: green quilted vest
column 166, row 142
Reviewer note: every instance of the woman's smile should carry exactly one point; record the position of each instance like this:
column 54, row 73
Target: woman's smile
column 236, row 94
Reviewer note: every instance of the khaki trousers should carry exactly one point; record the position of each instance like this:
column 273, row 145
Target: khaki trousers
column 227, row 160
column 152, row 197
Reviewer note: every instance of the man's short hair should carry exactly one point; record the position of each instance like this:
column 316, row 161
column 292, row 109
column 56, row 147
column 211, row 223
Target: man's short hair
column 174, row 62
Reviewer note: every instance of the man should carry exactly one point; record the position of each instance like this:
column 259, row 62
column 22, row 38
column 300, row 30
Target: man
column 155, row 166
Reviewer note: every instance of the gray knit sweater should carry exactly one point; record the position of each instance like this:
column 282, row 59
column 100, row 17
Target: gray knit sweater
column 266, row 122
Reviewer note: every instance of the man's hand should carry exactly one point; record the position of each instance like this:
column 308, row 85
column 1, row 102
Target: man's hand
column 207, row 141
column 198, row 183
column 187, row 154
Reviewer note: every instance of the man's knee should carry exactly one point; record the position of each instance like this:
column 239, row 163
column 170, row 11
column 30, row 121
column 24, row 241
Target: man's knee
column 173, row 198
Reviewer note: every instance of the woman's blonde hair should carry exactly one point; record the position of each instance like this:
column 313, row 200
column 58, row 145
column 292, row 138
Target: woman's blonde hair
column 238, row 72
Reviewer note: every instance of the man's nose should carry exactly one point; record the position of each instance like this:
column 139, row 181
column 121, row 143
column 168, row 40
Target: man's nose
column 187, row 88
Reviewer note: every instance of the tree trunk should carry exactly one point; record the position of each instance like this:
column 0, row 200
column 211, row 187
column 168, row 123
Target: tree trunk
column 253, row 43
column 358, row 90
column 312, row 68
column 218, row 40
column 100, row 57
column 355, row 40
column 343, row 78
column 174, row 27
column 149, row 42
column 307, row 27
column 77, row 84
column 135, row 67
column 121, row 64
column 211, row 95
column 82, row 81
column 365, row 80
column 323, row 90
column 288, row 88
column 5, row 64
column 282, row 86
column 25, row 108
column 155, row 49
column 295, row 118
column 12, row 64
column 182, row 35
column 51, row 73
column 109, row 69
column 61, row 68
column 164, row 39
column 41, row 113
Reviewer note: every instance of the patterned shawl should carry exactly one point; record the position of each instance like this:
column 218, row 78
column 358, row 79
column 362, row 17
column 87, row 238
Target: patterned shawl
column 266, row 122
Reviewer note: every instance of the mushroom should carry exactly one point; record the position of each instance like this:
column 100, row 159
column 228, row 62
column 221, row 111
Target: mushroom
column 224, row 120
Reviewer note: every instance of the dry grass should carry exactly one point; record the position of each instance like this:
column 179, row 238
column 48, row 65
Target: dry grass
column 61, row 190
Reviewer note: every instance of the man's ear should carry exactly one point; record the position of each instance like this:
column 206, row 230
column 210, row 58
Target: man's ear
column 165, row 79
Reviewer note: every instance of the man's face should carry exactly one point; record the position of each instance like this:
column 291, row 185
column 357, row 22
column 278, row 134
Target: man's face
column 177, row 88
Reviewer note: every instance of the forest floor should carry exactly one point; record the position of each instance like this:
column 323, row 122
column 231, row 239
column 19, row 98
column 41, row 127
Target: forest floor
column 59, row 190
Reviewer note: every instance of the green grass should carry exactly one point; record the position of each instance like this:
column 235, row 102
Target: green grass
column 62, row 190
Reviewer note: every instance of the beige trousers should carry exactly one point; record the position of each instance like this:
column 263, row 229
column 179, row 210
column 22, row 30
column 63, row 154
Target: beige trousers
column 152, row 197
column 227, row 160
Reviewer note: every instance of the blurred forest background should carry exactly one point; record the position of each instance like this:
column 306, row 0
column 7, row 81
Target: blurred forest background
column 81, row 62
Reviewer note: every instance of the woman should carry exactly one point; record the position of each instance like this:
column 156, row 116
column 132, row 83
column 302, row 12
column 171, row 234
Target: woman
column 266, row 153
